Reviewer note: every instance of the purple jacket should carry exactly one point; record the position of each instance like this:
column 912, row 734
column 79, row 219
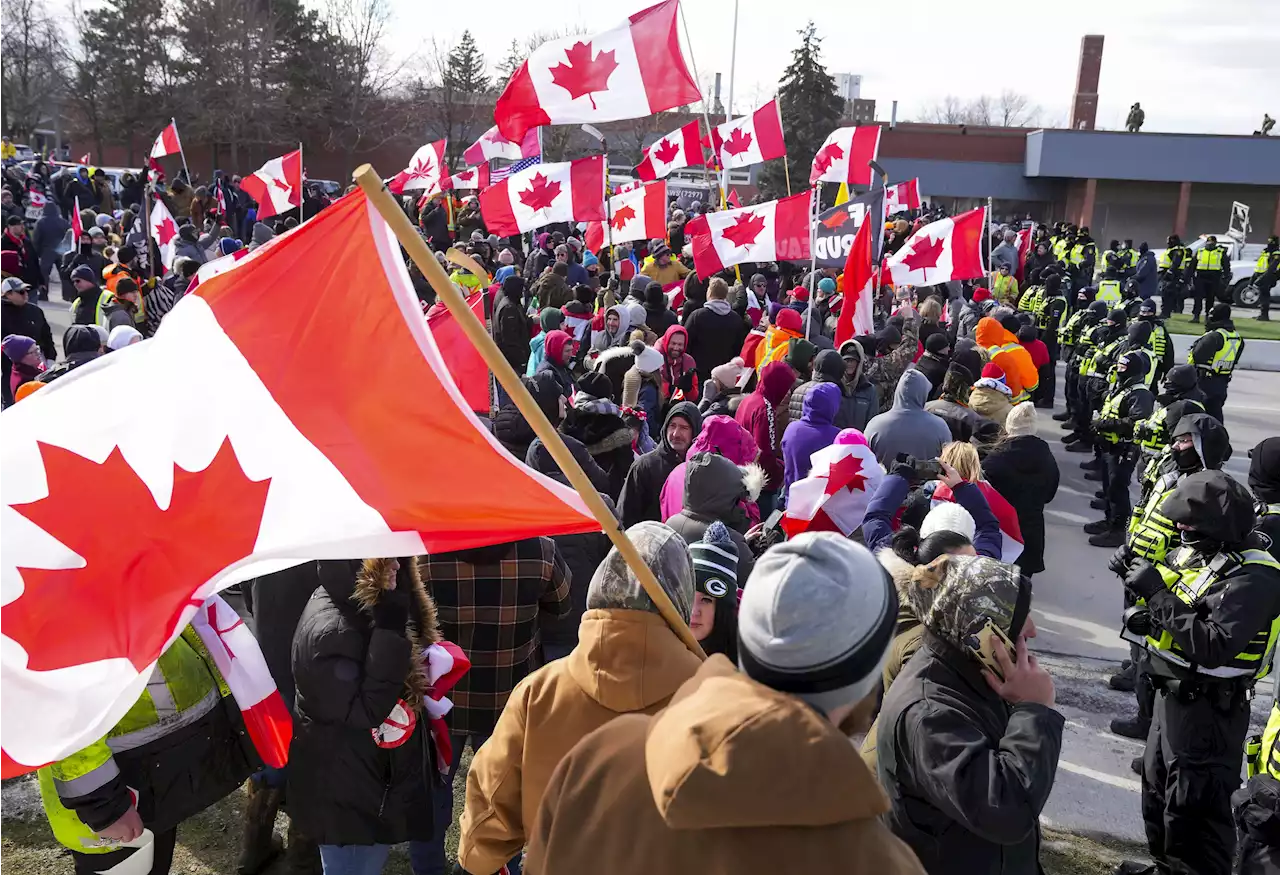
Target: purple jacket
column 877, row 526
column 815, row 431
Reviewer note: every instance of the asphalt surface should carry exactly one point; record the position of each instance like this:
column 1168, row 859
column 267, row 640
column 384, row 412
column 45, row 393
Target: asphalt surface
column 1077, row 605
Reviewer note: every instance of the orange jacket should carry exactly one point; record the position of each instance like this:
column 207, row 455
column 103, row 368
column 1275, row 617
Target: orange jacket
column 1020, row 373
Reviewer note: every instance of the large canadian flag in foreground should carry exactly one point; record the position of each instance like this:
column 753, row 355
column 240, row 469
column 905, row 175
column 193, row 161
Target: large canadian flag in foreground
column 297, row 408
column 844, row 155
column 425, row 172
column 493, row 145
column 680, row 148
column 750, row 139
column 631, row 71
column 835, row 495
column 638, row 214
column 945, row 250
column 277, row 186
column 773, row 231
column 572, row 191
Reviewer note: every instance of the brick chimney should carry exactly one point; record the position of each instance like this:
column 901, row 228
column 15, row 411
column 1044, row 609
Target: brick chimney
column 1084, row 107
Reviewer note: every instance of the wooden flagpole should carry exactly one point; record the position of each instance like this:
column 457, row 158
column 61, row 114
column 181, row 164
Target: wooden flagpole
column 416, row 247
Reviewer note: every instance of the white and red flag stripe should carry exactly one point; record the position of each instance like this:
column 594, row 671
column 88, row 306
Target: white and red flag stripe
column 493, row 145
column 267, row 438
column 772, row 231
column 572, row 191
column 1011, row 542
column 835, row 495
column 680, row 148
column 902, row 197
column 425, row 172
column 856, row 313
column 475, row 178
column 844, row 155
column 86, row 158
column 77, row 224
column 167, row 143
column 277, row 186
column 1024, row 249
column 630, row 71
column 945, row 250
column 639, row 214
column 165, row 232
column 750, row 139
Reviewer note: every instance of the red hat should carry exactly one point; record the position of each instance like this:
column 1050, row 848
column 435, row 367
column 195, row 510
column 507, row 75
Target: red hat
column 789, row 320
column 993, row 370
column 981, row 294
column 800, row 293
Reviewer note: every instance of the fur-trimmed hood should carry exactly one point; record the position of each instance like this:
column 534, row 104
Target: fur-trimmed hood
column 714, row 485
column 613, row 352
column 374, row 578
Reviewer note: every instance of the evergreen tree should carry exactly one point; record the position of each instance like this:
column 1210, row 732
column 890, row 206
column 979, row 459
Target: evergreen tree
column 811, row 109
column 465, row 73
column 515, row 57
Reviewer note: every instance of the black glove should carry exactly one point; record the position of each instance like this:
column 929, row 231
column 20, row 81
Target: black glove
column 1144, row 579
column 1105, row 424
column 391, row 611
column 905, row 468
column 1118, row 564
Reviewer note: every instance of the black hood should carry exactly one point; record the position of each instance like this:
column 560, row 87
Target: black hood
column 1136, row 365
column 1140, row 333
column 1180, row 381
column 689, row 412
column 81, row 338
column 1214, row 505
column 1264, row 469
column 1212, row 443
column 828, row 367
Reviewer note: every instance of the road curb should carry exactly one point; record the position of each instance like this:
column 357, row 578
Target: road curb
column 1259, row 355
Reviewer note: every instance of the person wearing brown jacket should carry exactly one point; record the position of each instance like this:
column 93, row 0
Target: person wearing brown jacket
column 627, row 661
column 747, row 771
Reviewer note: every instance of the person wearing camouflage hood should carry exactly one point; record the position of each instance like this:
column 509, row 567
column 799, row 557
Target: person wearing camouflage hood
column 966, row 758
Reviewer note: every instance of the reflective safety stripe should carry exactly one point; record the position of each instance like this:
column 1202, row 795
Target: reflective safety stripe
column 148, row 734
column 1224, row 360
column 1109, row 292
column 88, row 782
column 1270, row 763
column 161, row 698
column 1209, row 259
column 1111, row 410
column 1159, row 339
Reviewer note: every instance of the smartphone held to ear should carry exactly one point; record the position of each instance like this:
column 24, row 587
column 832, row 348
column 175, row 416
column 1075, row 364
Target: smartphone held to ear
column 982, row 645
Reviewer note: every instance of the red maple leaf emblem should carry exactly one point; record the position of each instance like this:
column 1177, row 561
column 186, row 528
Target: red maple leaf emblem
column 666, row 151
column 924, row 254
column 827, row 154
column 281, row 184
column 166, row 231
column 739, row 141
column 621, row 216
column 495, row 136
column 540, row 194
column 583, row 74
column 744, row 230
column 466, row 174
column 846, row 473
column 142, row 562
column 836, row 219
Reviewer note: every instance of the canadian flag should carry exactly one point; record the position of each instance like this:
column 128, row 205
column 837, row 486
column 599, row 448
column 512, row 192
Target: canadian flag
column 77, row 224
column 750, row 139
column 167, row 143
column 87, row 158
column 471, row 178
column 945, row 250
column 277, row 186
column 844, row 156
column 835, row 495
column 493, row 145
column 1011, row 542
column 901, row 197
column 680, row 148
column 425, row 172
column 640, row 214
column 466, row 365
column 165, row 231
column 631, row 71
column 856, row 313
column 772, row 231
column 624, row 187
column 1024, row 249
column 572, row 191
column 267, row 438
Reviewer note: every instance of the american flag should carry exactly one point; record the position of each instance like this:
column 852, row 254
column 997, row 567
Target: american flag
column 515, row 167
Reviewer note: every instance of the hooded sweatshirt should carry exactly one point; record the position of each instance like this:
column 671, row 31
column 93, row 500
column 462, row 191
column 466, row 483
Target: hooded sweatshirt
column 1020, row 373
column 681, row 375
column 641, row 492
column 602, row 339
column 761, row 413
column 698, row 789
column 626, row 661
column 908, row 427
column 549, row 319
column 720, row 434
column 815, row 430
column 714, row 489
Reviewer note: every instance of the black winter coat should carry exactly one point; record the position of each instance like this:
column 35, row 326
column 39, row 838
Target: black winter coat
column 935, row 368
column 1023, row 470
column 607, row 439
column 343, row 788
column 511, row 332
column 967, row 774
column 714, row 338
column 29, row 321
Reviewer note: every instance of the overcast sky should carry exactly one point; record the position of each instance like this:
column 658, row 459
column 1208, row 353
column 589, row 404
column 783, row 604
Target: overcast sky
column 1194, row 66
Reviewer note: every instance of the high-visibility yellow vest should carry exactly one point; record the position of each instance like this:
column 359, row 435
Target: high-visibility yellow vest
column 1069, row 331
column 1004, row 287
column 1111, row 410
column 1030, row 298
column 1159, row 341
column 1224, row 360
column 1109, row 293
column 1060, row 249
column 1261, row 264
column 1209, row 259
column 1191, row 584
column 183, row 687
column 1151, row 533
column 1152, row 433
column 1266, row 761
column 1044, row 307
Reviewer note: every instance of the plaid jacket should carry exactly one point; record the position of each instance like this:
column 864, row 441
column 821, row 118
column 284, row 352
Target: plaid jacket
column 491, row 612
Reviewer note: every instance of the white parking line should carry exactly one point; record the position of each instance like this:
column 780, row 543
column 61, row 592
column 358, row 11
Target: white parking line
column 1084, row 771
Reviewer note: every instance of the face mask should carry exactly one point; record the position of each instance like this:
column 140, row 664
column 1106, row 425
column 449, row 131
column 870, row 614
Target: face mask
column 1188, row 460
column 1198, row 542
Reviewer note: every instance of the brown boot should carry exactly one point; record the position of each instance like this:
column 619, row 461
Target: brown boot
column 302, row 856
column 259, row 844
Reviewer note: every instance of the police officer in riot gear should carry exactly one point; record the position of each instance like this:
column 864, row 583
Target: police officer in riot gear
column 1172, row 268
column 1206, row 618
column 1160, row 344
column 1215, row 356
column 1128, row 402
column 1212, row 275
column 1265, row 274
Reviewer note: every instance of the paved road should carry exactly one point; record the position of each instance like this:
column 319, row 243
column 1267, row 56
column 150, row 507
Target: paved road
column 1077, row 605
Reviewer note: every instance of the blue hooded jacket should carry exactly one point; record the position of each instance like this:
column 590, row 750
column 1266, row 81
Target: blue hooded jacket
column 815, row 430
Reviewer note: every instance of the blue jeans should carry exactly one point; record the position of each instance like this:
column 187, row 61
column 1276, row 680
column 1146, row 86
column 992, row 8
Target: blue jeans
column 354, row 859
column 428, row 858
